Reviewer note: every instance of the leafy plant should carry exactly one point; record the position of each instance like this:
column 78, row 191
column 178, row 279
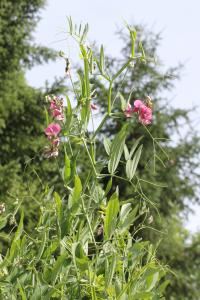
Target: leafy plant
column 82, row 247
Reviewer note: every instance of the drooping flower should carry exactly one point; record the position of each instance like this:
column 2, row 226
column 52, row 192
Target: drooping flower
column 57, row 114
column 55, row 142
column 50, row 152
column 144, row 112
column 52, row 130
column 56, row 107
column 145, row 115
column 128, row 111
column 93, row 106
column 137, row 105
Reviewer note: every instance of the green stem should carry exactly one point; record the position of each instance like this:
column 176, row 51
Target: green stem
column 90, row 158
column 122, row 69
column 110, row 98
column 88, row 221
column 100, row 125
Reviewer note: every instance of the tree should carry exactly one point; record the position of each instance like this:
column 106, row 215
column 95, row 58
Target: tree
column 21, row 112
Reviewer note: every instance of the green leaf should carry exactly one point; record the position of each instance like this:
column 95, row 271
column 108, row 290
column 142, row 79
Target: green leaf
column 131, row 165
column 68, row 114
column 82, row 84
column 42, row 246
column 107, row 145
column 67, row 169
column 123, row 101
column 57, row 266
column 58, row 202
column 76, row 194
column 116, row 149
column 21, row 290
column 144, row 296
column 136, row 143
column 52, row 248
column 135, row 146
column 125, row 209
column 84, row 34
column 46, row 116
column 102, row 60
column 127, row 219
column 16, row 241
column 3, row 222
column 109, row 186
column 70, row 24
column 40, row 292
column 163, row 286
column 152, row 279
column 126, row 152
column 133, row 35
column 111, row 215
column 111, row 270
column 143, row 58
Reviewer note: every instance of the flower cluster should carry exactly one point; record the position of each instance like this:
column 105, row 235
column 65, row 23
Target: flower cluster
column 56, row 107
column 53, row 129
column 144, row 112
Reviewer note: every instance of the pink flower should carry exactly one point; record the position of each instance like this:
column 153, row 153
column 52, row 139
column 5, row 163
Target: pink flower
column 93, row 106
column 56, row 107
column 52, row 130
column 128, row 111
column 137, row 104
column 53, row 104
column 57, row 114
column 145, row 112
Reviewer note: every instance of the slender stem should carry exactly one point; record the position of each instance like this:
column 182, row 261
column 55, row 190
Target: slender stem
column 100, row 125
column 110, row 98
column 120, row 87
column 122, row 69
column 91, row 160
column 88, row 221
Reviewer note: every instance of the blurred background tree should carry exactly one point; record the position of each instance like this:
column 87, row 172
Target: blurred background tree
column 22, row 116
column 21, row 131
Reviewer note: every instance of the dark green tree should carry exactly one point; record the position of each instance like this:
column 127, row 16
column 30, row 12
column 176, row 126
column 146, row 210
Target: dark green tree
column 22, row 118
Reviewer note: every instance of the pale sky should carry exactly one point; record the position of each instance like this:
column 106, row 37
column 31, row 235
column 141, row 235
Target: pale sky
column 178, row 20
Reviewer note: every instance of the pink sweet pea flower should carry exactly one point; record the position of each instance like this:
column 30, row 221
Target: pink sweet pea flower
column 52, row 130
column 137, row 105
column 57, row 114
column 145, row 112
column 93, row 106
column 53, row 105
column 56, row 107
column 145, row 115
column 128, row 111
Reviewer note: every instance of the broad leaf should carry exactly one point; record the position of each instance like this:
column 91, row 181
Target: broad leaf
column 111, row 215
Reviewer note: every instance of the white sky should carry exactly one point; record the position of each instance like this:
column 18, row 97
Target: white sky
column 178, row 20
